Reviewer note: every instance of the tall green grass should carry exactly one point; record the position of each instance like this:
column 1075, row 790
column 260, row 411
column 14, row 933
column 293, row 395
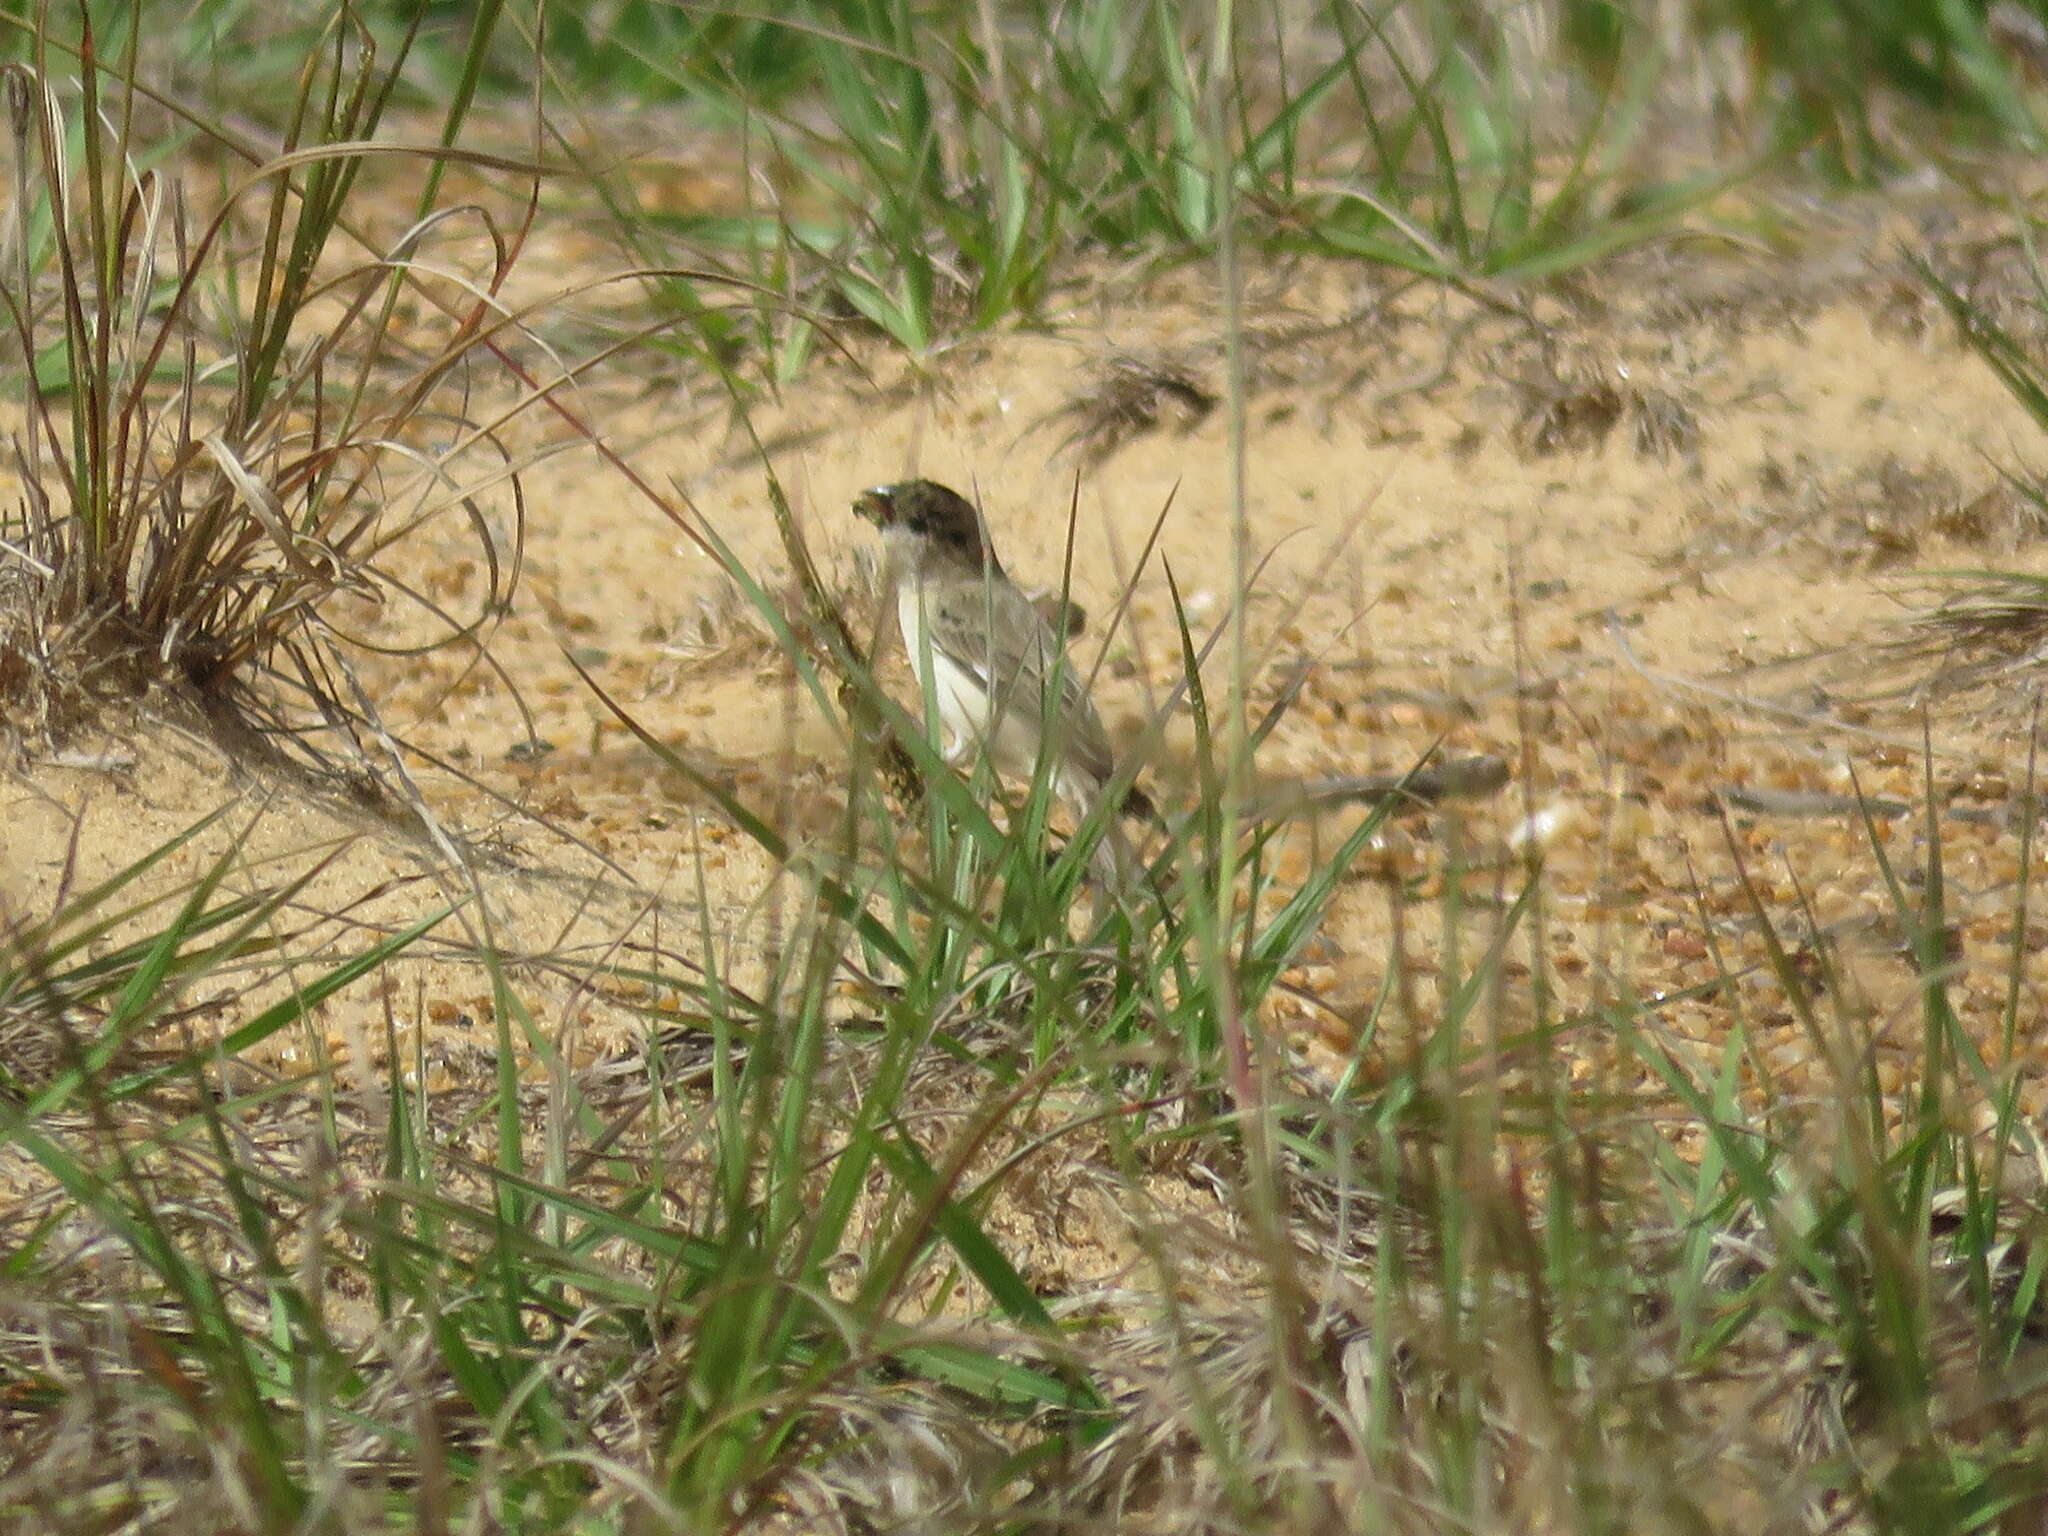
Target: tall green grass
column 950, row 162
column 954, row 162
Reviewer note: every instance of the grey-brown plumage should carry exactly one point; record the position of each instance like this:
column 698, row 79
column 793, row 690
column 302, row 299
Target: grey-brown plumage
column 984, row 649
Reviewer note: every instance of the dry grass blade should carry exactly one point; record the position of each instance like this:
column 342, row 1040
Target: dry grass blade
column 263, row 505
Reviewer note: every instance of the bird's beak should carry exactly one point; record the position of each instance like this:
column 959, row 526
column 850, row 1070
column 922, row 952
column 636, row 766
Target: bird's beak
column 876, row 504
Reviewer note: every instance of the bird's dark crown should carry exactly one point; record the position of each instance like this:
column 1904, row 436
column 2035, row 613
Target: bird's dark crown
column 930, row 510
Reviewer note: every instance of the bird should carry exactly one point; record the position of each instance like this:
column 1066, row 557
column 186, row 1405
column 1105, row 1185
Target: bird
column 985, row 652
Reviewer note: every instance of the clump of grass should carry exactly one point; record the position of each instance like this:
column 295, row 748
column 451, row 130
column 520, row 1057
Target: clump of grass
column 1995, row 617
column 233, row 420
column 1129, row 396
column 1875, row 517
column 1978, row 636
column 1571, row 399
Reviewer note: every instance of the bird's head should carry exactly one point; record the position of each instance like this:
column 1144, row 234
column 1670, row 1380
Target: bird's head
column 929, row 514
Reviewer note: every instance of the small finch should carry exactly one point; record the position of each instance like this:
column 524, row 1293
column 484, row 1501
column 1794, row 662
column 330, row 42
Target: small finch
column 984, row 651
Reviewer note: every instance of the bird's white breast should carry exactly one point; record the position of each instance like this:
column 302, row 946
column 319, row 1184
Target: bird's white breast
column 962, row 701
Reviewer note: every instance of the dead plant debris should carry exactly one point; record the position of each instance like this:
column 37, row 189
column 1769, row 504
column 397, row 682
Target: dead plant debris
column 1131, row 394
column 1879, row 515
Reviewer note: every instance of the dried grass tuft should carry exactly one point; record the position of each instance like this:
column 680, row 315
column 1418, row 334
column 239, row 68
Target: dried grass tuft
column 1130, row 395
column 1880, row 515
column 1979, row 636
column 1572, row 401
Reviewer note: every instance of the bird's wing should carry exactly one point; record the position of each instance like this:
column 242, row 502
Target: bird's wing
column 993, row 630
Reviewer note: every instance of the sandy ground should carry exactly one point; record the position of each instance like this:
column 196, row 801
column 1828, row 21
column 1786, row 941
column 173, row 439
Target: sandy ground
column 1565, row 529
